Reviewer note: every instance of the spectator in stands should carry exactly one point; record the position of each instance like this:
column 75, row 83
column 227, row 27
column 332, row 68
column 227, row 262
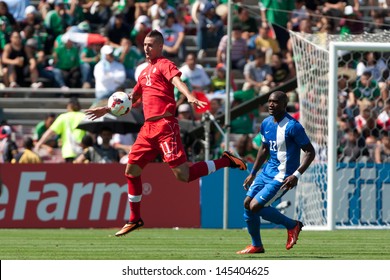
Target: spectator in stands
column 198, row 79
column 8, row 148
column 366, row 88
column 371, row 62
column 87, row 142
column 298, row 14
column 75, row 11
column 248, row 23
column 383, row 119
column 129, row 56
column 281, row 71
column 65, row 126
column 242, row 124
column 216, row 108
column 363, row 117
column 16, row 62
column 326, row 25
column 123, row 141
column 245, row 148
column 277, row 14
column 66, row 63
column 29, row 32
column 209, row 29
column 116, row 29
column 142, row 7
column 345, row 80
column 27, row 155
column 305, row 26
column 173, row 33
column 382, row 149
column 184, row 112
column 89, row 56
column 8, row 24
column 218, row 80
column 239, row 49
column 354, row 148
column 379, row 24
column 109, row 74
column 158, row 13
column 98, row 12
column 263, row 42
column 16, row 8
column 336, row 8
column 100, row 153
column 56, row 20
column 258, row 74
column 371, row 129
column 141, row 27
column 32, row 50
column 32, row 18
column 41, row 128
column 351, row 23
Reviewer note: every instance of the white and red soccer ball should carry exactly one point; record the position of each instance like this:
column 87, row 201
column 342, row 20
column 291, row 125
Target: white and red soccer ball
column 119, row 103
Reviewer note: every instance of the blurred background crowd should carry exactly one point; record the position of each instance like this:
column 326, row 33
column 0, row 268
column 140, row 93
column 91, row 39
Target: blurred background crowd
column 87, row 44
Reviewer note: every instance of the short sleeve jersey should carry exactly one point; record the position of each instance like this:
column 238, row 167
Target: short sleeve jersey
column 155, row 87
column 284, row 141
column 60, row 125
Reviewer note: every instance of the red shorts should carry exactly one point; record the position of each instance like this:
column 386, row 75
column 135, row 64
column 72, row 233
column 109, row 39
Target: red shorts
column 158, row 137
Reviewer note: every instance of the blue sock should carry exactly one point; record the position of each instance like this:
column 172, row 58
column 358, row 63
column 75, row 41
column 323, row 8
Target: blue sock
column 274, row 216
column 253, row 225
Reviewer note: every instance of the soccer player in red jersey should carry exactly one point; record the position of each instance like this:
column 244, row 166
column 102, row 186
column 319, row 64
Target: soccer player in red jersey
column 160, row 133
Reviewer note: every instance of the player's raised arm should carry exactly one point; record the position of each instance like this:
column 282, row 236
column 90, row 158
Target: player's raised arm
column 97, row 112
column 182, row 87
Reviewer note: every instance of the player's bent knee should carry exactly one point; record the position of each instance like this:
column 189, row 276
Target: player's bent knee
column 255, row 206
column 133, row 170
column 247, row 202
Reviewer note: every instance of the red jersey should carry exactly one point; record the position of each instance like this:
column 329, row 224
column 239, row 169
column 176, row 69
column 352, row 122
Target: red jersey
column 155, row 87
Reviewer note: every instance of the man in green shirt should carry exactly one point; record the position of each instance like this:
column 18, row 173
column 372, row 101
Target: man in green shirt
column 66, row 126
column 129, row 56
column 67, row 65
column 42, row 127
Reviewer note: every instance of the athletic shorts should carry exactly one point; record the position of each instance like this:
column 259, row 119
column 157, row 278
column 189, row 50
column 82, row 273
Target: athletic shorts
column 158, row 137
column 265, row 190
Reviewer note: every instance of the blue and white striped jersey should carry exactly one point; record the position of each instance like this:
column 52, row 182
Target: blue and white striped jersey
column 284, row 141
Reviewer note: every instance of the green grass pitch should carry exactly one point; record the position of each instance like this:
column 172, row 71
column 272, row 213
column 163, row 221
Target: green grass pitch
column 189, row 244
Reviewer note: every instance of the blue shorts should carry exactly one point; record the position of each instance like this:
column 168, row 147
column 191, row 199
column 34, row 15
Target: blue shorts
column 265, row 190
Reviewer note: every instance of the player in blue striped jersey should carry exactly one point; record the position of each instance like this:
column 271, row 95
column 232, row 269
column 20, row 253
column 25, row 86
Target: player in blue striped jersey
column 282, row 142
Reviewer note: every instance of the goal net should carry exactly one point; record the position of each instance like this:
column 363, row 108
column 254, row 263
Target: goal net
column 343, row 84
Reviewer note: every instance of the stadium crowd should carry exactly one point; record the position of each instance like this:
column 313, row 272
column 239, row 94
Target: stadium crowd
column 99, row 44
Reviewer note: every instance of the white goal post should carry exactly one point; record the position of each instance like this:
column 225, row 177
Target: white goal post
column 332, row 194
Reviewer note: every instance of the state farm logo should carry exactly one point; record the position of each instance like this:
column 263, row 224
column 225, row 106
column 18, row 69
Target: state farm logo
column 38, row 199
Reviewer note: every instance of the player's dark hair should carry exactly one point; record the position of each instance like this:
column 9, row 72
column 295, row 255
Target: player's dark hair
column 281, row 96
column 156, row 35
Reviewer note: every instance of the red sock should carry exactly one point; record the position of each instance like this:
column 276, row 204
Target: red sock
column 198, row 170
column 204, row 168
column 134, row 189
column 221, row 163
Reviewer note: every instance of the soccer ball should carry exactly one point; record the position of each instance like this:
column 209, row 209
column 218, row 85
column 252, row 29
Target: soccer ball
column 119, row 103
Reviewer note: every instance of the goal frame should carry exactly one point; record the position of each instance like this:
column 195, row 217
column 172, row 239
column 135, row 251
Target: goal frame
column 334, row 49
